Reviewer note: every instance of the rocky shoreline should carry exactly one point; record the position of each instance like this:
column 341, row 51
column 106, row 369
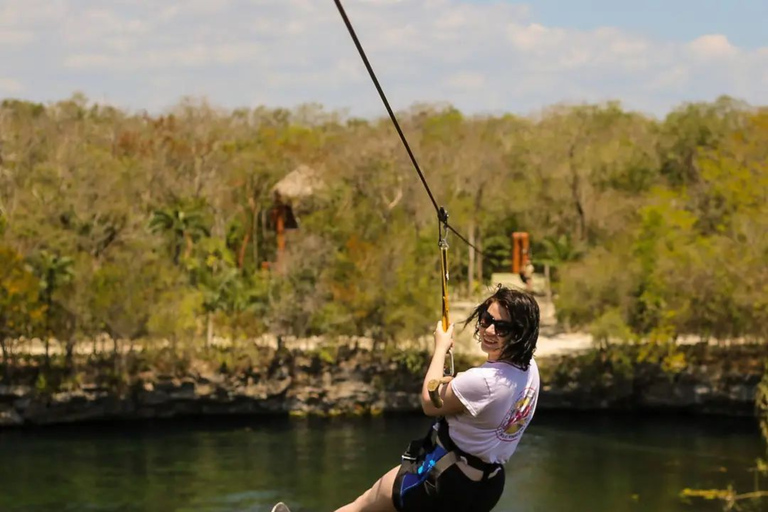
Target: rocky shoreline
column 357, row 383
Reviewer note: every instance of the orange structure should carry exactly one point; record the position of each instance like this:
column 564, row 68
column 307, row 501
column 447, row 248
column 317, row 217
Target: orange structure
column 520, row 251
column 282, row 219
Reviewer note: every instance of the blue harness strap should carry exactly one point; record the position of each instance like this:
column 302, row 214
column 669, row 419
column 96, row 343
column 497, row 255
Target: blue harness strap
column 415, row 479
column 427, row 458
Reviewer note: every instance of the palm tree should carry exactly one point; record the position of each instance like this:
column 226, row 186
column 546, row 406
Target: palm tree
column 557, row 251
column 53, row 272
column 184, row 225
column 220, row 293
column 219, row 279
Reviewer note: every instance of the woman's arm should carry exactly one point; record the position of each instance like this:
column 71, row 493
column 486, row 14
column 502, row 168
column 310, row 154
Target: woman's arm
column 451, row 404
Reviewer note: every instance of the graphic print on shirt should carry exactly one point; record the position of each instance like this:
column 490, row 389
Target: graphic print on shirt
column 517, row 418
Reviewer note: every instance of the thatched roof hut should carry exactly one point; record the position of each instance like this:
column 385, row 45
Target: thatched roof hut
column 298, row 184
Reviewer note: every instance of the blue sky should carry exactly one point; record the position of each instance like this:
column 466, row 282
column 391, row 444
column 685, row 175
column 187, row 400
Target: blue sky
column 480, row 56
column 744, row 22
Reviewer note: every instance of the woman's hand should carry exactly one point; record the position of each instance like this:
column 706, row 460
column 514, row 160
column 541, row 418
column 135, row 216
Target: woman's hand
column 443, row 339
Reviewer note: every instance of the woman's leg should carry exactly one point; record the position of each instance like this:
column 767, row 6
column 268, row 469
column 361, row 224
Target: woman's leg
column 376, row 499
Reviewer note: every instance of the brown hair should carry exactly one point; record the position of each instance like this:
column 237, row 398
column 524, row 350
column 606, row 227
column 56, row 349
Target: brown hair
column 519, row 346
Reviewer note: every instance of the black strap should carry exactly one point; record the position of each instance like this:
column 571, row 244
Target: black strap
column 414, row 455
column 488, row 468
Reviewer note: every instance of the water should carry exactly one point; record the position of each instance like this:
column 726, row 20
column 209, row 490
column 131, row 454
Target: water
column 565, row 462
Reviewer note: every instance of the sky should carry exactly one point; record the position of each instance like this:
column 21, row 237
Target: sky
column 481, row 56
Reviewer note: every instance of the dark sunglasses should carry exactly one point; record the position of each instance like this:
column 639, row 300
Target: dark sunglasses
column 501, row 327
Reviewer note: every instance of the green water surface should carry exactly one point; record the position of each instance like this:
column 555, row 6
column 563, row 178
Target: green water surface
column 565, row 462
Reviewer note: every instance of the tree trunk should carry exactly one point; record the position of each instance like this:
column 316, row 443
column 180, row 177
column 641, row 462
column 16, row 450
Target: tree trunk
column 255, row 237
column 264, row 234
column 476, row 269
column 49, row 306
column 116, row 356
column 243, row 248
column 576, row 195
column 4, row 350
column 548, row 282
column 479, row 245
column 249, row 234
column 471, row 263
column 209, row 333
column 188, row 243
column 69, row 357
column 176, row 253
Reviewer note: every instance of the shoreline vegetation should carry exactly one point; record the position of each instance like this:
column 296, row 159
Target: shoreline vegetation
column 347, row 379
column 202, row 223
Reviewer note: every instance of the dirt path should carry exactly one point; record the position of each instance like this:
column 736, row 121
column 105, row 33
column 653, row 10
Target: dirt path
column 548, row 344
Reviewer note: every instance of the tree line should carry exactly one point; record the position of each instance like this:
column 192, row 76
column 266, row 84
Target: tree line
column 160, row 226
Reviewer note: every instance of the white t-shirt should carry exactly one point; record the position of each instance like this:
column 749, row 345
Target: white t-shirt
column 500, row 401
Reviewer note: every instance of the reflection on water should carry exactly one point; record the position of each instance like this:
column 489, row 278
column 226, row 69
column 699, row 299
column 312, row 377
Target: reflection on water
column 565, row 462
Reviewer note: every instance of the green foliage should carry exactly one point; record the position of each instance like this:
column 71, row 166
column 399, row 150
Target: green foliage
column 762, row 403
column 731, row 499
column 124, row 293
column 603, row 281
column 41, row 385
column 415, row 361
column 21, row 311
column 558, row 250
column 646, row 225
column 160, row 226
column 691, row 127
column 177, row 314
column 610, row 327
column 598, row 370
column 328, row 354
column 665, row 353
column 183, row 223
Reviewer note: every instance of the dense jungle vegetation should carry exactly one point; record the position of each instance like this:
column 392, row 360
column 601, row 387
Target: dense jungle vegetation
column 162, row 227
column 158, row 226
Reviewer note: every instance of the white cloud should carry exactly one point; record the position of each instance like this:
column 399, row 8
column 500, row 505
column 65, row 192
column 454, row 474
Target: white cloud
column 16, row 37
column 31, row 13
column 467, row 81
column 535, row 37
column 479, row 56
column 10, row 86
column 194, row 56
column 89, row 60
column 670, row 79
column 713, row 46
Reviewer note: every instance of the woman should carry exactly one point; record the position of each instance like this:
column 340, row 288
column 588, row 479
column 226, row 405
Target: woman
column 458, row 466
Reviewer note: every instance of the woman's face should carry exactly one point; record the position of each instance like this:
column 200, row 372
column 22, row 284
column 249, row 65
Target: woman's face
column 491, row 342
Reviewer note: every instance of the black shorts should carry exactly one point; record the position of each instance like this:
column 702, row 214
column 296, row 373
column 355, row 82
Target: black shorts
column 453, row 492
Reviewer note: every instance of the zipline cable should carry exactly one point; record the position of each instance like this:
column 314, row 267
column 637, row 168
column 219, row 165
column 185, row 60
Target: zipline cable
column 442, row 217
column 433, row 387
column 384, row 99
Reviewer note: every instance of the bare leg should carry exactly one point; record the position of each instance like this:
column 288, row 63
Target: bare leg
column 376, row 499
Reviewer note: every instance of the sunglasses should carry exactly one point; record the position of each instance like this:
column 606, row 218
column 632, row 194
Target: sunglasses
column 501, row 327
